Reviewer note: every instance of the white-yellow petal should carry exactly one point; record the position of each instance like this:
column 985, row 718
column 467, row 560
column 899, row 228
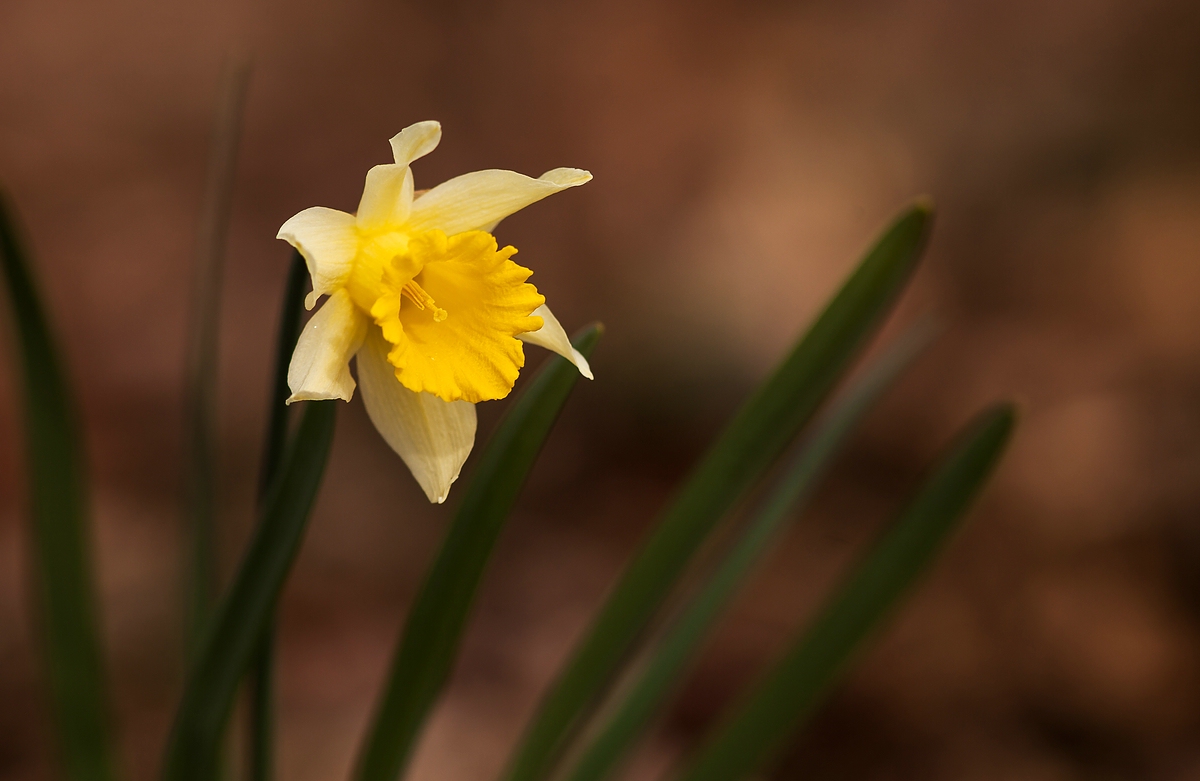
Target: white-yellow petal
column 328, row 241
column 388, row 193
column 416, row 141
column 482, row 198
column 434, row 437
column 387, row 196
column 320, row 367
column 552, row 336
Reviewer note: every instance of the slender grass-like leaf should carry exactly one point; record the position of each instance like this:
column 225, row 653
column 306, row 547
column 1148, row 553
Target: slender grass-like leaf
column 670, row 659
column 245, row 612
column 260, row 681
column 200, row 382
column 789, row 694
column 61, row 567
column 290, row 316
column 747, row 447
column 428, row 648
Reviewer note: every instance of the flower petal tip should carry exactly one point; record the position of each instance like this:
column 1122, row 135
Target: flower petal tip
column 582, row 364
column 567, row 177
column 437, row 494
column 416, row 141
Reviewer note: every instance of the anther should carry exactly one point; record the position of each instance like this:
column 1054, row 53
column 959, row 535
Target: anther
column 418, row 296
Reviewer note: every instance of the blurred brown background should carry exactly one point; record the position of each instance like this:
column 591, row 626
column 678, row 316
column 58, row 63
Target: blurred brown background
column 744, row 154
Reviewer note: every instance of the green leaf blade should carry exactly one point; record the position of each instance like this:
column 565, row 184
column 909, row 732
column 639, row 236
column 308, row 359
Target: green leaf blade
column 62, row 570
column 290, row 317
column 201, row 359
column 793, row 689
column 749, row 444
column 245, row 612
column 260, row 681
column 670, row 659
column 428, row 647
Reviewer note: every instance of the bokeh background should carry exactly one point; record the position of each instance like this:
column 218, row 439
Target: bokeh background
column 744, row 154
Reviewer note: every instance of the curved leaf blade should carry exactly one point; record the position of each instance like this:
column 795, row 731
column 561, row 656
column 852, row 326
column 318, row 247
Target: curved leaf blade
column 260, row 680
column 428, row 647
column 200, row 376
column 62, row 570
column 743, row 452
column 670, row 659
column 245, row 612
column 790, row 693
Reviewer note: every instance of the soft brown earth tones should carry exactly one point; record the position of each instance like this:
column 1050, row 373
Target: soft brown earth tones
column 744, row 154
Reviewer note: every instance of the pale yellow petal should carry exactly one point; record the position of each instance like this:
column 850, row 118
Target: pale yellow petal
column 552, row 336
column 328, row 241
column 388, row 193
column 387, row 197
column 432, row 436
column 416, row 141
column 477, row 200
column 320, row 367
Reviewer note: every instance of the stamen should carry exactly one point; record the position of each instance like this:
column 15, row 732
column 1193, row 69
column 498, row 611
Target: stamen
column 418, row 296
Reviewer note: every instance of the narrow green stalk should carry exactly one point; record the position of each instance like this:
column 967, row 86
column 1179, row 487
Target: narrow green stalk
column 260, row 680
column 789, row 694
column 744, row 451
column 200, row 385
column 671, row 658
column 61, row 565
column 429, row 645
column 290, row 316
column 245, row 612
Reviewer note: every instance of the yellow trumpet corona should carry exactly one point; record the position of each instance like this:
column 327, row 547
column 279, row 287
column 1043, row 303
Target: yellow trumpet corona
column 421, row 295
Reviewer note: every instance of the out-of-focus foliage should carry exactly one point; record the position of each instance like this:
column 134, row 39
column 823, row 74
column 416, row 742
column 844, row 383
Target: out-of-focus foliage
column 236, row 640
column 742, row 155
column 62, row 568
column 428, row 648
column 749, row 444
column 245, row 610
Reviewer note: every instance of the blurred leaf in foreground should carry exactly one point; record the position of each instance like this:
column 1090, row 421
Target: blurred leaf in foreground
column 670, row 657
column 200, row 381
column 62, row 571
column 750, row 443
column 789, row 693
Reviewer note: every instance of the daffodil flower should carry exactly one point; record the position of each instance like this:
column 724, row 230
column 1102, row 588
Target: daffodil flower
column 419, row 292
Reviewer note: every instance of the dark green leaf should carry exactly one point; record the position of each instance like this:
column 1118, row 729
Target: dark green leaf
column 789, row 694
column 245, row 612
column 260, row 682
column 290, row 317
column 62, row 571
column 670, row 659
column 200, row 382
column 429, row 645
column 749, row 444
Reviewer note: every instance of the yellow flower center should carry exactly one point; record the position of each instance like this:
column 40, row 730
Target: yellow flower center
column 451, row 307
